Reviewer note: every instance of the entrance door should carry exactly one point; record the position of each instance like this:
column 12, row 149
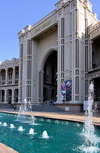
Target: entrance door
column 9, row 96
column 49, row 79
column 97, row 89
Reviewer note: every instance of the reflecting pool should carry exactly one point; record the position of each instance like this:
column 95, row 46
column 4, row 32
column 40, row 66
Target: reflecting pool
column 61, row 136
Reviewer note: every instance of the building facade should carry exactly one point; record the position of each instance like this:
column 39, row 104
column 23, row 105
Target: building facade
column 9, row 77
column 59, row 56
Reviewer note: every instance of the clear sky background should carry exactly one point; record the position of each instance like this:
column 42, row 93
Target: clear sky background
column 17, row 14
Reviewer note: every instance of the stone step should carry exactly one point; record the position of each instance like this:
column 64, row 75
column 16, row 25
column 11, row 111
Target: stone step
column 46, row 108
column 42, row 108
column 7, row 106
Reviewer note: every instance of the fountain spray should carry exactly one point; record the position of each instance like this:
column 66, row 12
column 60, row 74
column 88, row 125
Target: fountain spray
column 91, row 140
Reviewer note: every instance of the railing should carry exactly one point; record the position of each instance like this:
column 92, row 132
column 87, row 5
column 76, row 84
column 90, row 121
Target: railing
column 3, row 83
column 9, row 82
column 95, row 67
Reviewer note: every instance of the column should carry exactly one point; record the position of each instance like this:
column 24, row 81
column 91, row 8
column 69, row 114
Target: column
column 50, row 93
column 13, row 77
column 12, row 96
column 40, row 97
column 0, row 78
column 6, row 76
column 0, row 96
column 5, row 99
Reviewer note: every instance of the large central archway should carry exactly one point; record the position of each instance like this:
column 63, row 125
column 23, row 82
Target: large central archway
column 49, row 78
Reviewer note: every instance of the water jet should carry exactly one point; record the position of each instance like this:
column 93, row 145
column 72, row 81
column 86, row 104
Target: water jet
column 45, row 135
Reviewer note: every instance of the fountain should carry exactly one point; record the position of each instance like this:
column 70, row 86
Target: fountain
column 20, row 128
column 49, row 120
column 22, row 110
column 32, row 119
column 4, row 124
column 56, row 121
column 31, row 131
column 62, row 137
column 77, row 124
column 25, row 107
column 12, row 126
column 91, row 140
column 29, row 106
column 45, row 135
column 70, row 136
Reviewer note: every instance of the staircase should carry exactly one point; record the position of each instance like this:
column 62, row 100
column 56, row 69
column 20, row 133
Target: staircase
column 6, row 106
column 46, row 108
column 40, row 108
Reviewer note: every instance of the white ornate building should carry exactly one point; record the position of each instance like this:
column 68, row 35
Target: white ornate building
column 9, row 77
column 59, row 56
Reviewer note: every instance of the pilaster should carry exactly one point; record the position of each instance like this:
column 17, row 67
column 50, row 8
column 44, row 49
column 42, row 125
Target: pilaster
column 60, row 74
column 6, row 75
column 13, row 78
column 28, row 69
column 36, row 78
column 90, row 55
column 20, row 72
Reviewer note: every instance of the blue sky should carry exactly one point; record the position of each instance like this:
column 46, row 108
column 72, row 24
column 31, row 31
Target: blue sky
column 17, row 14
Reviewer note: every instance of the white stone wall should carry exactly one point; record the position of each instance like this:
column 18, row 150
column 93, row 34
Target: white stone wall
column 45, row 46
column 71, row 41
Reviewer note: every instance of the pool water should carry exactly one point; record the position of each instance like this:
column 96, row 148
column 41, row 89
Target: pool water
column 64, row 137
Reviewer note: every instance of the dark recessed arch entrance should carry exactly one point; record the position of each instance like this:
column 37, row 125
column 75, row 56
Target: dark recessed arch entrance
column 49, row 78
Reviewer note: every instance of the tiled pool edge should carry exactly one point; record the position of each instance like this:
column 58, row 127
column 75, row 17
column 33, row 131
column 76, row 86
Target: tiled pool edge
column 6, row 149
column 61, row 116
